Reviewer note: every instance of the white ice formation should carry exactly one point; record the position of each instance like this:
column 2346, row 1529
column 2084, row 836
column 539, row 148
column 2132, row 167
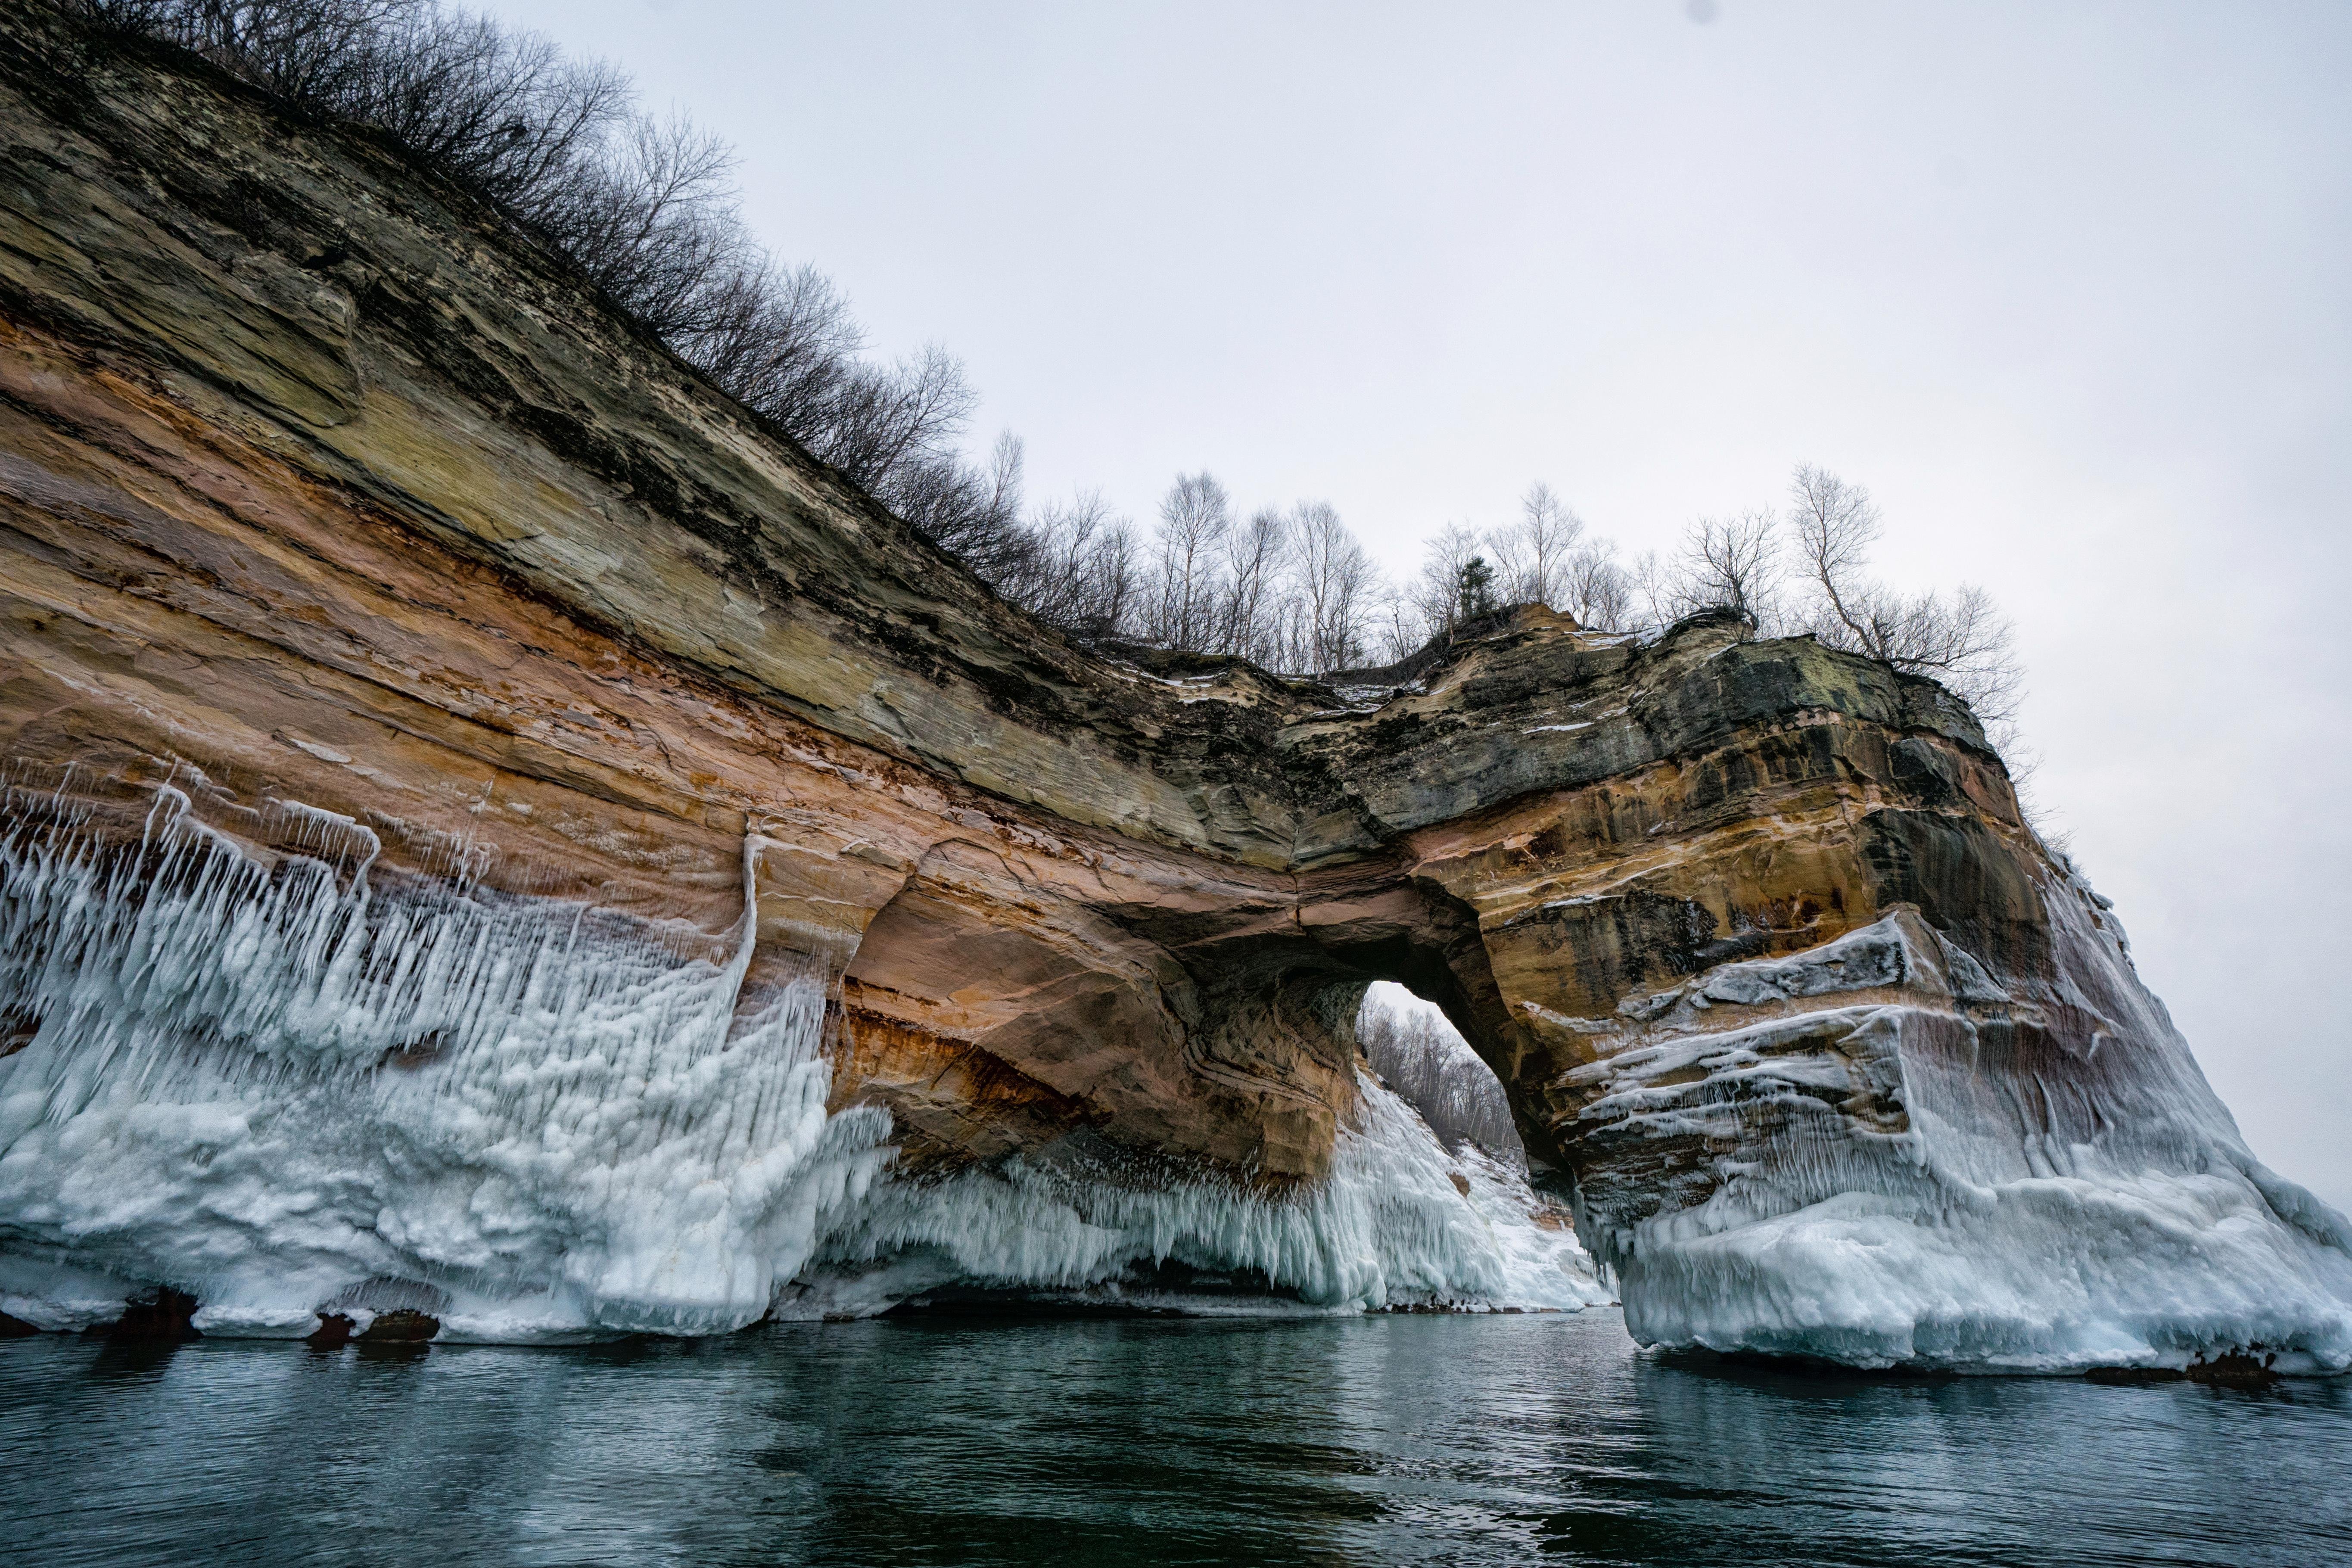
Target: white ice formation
column 1919, row 1171
column 1419, row 1054
column 282, row 1088
column 271, row 1086
column 1398, row 1222
column 286, row 1082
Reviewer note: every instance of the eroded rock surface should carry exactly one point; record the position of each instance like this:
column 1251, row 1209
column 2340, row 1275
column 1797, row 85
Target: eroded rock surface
column 371, row 590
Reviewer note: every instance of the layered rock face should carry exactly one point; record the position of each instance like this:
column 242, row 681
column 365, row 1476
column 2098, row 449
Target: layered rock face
column 490, row 815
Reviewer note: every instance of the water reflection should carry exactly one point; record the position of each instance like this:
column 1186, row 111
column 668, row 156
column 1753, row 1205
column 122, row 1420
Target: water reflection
column 1357, row 1441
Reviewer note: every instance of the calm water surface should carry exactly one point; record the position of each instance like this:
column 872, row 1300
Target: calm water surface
column 1353, row 1441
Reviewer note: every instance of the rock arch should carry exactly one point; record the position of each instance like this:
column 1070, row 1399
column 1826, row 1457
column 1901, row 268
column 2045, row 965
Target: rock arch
column 1752, row 932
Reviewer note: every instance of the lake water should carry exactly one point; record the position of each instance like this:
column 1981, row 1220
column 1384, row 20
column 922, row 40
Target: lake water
column 1368, row 1440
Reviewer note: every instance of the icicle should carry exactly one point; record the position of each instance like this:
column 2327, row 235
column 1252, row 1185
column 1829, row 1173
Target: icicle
column 268, row 1086
column 1390, row 1226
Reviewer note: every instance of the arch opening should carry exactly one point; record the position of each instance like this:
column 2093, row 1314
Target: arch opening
column 1428, row 1063
column 1427, row 1202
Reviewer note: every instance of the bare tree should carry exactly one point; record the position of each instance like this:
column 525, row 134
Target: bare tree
column 1599, row 593
column 1729, row 564
column 1253, row 555
column 308, row 50
column 1194, row 518
column 1654, row 591
column 782, row 341
column 1332, row 584
column 654, row 223
column 1436, row 592
column 1532, row 557
column 507, row 112
column 511, row 111
column 1080, row 573
column 1423, row 1060
column 975, row 513
column 1547, row 557
column 1835, row 524
column 1394, row 627
column 881, row 417
column 1963, row 641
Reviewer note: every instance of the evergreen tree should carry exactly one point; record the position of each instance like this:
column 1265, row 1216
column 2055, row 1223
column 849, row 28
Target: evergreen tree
column 1476, row 592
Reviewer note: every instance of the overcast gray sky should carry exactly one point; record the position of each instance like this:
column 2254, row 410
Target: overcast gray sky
column 2069, row 286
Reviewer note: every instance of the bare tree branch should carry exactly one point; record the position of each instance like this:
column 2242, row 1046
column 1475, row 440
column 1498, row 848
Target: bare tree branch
column 1963, row 641
column 1332, row 584
column 1532, row 557
column 1724, row 563
column 1195, row 516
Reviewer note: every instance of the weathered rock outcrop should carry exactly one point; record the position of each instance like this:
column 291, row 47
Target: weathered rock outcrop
column 362, row 570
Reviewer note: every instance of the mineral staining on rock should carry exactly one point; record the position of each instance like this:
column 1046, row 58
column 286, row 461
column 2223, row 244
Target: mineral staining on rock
column 492, row 824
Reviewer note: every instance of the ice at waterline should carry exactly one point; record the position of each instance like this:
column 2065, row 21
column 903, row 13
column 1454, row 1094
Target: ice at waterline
column 2005, row 1219
column 307, row 1083
column 283, row 1090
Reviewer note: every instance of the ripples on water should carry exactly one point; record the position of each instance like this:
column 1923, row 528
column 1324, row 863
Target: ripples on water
column 1346, row 1441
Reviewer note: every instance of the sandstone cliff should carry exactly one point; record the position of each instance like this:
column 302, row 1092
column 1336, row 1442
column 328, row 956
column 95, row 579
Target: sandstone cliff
column 371, row 589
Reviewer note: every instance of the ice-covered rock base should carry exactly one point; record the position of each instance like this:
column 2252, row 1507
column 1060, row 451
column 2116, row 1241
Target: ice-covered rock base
column 1398, row 1222
column 2046, row 1274
column 261, row 1080
column 256, row 1076
column 252, row 1068
column 1873, row 1153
